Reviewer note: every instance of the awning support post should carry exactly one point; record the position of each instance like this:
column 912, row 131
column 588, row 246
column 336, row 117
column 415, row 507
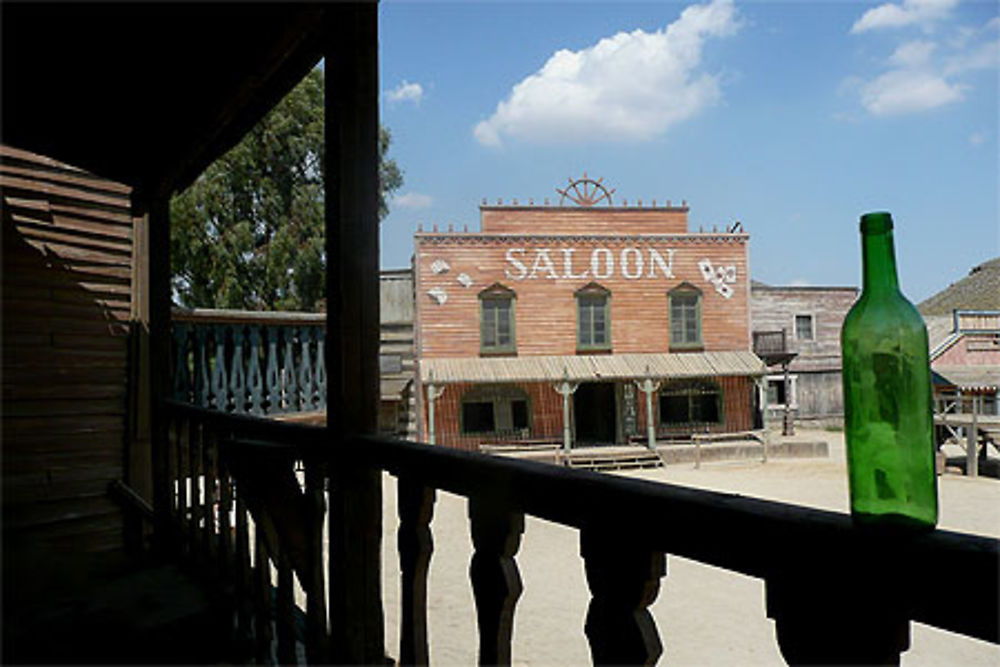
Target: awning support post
column 566, row 389
column 433, row 393
column 648, row 386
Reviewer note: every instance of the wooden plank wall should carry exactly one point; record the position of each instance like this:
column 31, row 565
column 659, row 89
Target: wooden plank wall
column 67, row 303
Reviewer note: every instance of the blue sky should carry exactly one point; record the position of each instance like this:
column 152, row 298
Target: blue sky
column 791, row 117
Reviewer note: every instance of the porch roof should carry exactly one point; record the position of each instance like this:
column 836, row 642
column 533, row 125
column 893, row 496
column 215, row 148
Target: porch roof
column 968, row 378
column 583, row 368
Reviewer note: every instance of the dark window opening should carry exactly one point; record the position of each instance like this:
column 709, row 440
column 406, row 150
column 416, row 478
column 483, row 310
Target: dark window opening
column 477, row 417
column 689, row 404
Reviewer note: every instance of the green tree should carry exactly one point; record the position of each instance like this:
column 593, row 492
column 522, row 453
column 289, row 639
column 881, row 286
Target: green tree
column 248, row 234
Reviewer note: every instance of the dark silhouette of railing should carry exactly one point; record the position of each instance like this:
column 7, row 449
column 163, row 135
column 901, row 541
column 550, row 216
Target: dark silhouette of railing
column 770, row 343
column 838, row 594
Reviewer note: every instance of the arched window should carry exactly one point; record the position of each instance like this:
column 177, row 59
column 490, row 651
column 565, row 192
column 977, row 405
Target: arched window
column 499, row 410
column 496, row 320
column 688, row 403
column 593, row 319
column 685, row 317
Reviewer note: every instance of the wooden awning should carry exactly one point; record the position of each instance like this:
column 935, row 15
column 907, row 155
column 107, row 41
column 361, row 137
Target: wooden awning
column 591, row 368
column 968, row 378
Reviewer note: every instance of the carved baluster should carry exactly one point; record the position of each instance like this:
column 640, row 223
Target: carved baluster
column 255, row 379
column 203, row 384
column 272, row 377
column 315, row 584
column 305, row 371
column 181, row 376
column 321, row 368
column 237, row 373
column 210, row 465
column 285, row 612
column 496, row 581
column 226, row 527
column 174, row 434
column 197, row 505
column 220, row 379
column 263, row 635
column 624, row 579
column 242, row 571
column 846, row 616
column 289, row 373
column 416, row 544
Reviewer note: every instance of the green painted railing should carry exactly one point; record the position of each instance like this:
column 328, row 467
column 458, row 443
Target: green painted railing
column 258, row 363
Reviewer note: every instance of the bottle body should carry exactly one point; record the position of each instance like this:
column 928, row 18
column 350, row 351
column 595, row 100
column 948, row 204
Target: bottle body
column 888, row 407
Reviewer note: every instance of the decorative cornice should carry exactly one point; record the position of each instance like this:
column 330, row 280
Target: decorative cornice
column 432, row 238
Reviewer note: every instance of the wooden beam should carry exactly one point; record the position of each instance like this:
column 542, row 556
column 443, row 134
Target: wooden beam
column 351, row 70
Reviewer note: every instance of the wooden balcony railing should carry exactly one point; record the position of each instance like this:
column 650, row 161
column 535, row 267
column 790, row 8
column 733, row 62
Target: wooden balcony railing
column 259, row 363
column 769, row 343
column 837, row 594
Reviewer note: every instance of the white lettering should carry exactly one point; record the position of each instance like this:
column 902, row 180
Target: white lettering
column 543, row 262
column 568, row 265
column 636, row 261
column 518, row 265
column 656, row 260
column 595, row 263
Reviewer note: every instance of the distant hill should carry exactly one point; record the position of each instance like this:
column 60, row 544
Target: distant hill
column 980, row 290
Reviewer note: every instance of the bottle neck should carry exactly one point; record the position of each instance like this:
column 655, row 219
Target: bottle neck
column 878, row 262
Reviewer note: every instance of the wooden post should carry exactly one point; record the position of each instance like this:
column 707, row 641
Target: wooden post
column 158, row 217
column 648, row 386
column 765, row 437
column 351, row 221
column 788, row 428
column 566, row 389
column 433, row 393
column 971, row 451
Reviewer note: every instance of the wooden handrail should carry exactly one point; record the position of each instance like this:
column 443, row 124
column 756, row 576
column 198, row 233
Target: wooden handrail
column 816, row 563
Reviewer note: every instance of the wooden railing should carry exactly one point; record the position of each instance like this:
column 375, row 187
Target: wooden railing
column 260, row 363
column 838, row 594
column 767, row 343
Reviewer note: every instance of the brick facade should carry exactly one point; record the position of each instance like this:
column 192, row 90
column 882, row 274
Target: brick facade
column 542, row 256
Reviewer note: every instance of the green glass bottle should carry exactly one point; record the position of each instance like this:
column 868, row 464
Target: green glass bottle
column 888, row 409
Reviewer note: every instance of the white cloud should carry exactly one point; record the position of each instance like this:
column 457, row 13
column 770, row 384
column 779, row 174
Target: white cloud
column 413, row 201
column 406, row 92
column 907, row 91
column 912, row 54
column 909, row 12
column 631, row 86
column 984, row 56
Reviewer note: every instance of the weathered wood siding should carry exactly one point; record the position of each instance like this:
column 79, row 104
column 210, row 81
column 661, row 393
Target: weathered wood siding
column 397, row 417
column 67, row 302
column 572, row 220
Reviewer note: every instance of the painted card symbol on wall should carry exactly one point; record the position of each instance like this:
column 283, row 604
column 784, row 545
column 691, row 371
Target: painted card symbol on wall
column 719, row 277
column 438, row 294
column 439, row 266
column 464, row 280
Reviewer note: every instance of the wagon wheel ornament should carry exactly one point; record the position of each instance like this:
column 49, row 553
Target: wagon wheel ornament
column 585, row 192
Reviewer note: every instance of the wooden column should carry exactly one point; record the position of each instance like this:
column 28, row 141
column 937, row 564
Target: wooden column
column 158, row 219
column 971, row 438
column 648, row 387
column 566, row 389
column 351, row 220
column 416, row 544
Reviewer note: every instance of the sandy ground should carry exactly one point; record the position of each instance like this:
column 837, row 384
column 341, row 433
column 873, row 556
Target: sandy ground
column 706, row 616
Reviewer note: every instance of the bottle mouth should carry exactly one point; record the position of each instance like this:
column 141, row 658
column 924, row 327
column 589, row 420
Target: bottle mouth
column 876, row 223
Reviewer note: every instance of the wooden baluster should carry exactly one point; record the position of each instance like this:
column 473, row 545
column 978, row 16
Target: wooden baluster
column 203, row 390
column 272, row 377
column 837, row 615
column 306, row 387
column 286, row 611
column 220, row 379
column 321, row 367
column 416, row 544
column 255, row 379
column 624, row 579
column 210, row 465
column 496, row 581
column 289, row 374
column 197, row 504
column 182, row 380
column 315, row 584
column 237, row 373
column 180, row 447
column 263, row 635
column 244, row 586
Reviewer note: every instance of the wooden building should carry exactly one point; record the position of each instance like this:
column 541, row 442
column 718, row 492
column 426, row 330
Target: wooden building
column 586, row 323
column 807, row 321
column 397, row 407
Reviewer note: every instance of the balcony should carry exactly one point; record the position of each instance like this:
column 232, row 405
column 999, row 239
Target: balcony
column 772, row 347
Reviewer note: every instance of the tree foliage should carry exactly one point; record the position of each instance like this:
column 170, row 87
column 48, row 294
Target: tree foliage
column 248, row 234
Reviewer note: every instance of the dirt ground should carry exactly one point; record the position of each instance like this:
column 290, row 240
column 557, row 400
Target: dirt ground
column 705, row 616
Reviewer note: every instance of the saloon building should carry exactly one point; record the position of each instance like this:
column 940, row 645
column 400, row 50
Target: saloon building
column 580, row 323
